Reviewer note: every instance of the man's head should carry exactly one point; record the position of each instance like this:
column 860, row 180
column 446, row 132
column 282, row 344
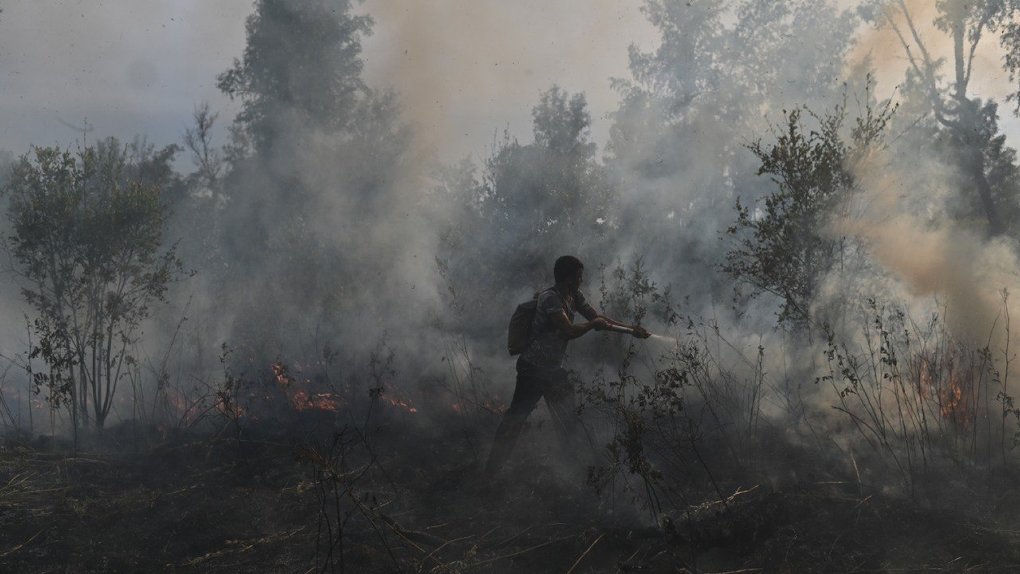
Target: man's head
column 568, row 272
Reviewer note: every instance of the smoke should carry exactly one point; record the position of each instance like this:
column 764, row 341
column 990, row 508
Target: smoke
column 127, row 67
column 465, row 70
column 881, row 47
column 674, row 136
column 936, row 262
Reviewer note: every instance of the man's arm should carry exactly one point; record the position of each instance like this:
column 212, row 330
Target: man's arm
column 591, row 314
column 636, row 330
column 574, row 330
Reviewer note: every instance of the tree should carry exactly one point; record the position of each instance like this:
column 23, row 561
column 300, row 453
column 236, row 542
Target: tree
column 534, row 202
column 677, row 143
column 782, row 246
column 302, row 64
column 553, row 185
column 315, row 167
column 967, row 126
column 87, row 231
column 207, row 158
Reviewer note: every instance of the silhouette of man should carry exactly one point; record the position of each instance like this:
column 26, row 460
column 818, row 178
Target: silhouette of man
column 540, row 371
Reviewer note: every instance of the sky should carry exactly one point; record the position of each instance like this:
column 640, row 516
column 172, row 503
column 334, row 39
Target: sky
column 465, row 69
column 124, row 67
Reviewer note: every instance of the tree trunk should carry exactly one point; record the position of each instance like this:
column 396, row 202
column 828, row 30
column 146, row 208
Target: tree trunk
column 968, row 122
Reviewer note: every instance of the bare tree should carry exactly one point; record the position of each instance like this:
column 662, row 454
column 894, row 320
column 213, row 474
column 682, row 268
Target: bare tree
column 198, row 140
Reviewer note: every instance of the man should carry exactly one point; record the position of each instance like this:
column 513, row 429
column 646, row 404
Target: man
column 540, row 370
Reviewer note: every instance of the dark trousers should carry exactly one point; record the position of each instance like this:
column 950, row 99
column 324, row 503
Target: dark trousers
column 533, row 383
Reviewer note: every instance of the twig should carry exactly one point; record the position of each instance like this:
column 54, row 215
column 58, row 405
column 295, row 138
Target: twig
column 515, row 554
column 862, row 502
column 20, row 546
column 581, row 557
column 447, row 543
column 512, row 538
column 860, row 485
column 239, row 546
column 725, row 500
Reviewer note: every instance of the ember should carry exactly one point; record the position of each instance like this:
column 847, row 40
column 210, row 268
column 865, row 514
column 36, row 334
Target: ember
column 280, row 373
column 404, row 405
column 304, row 401
column 230, row 408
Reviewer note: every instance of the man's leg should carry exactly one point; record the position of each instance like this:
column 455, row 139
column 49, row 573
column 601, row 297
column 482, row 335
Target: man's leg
column 559, row 396
column 526, row 395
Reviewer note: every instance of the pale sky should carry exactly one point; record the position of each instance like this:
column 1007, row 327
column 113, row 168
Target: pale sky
column 465, row 68
column 133, row 67
column 127, row 66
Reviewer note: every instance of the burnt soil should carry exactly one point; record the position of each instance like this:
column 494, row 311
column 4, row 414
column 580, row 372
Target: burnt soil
column 411, row 500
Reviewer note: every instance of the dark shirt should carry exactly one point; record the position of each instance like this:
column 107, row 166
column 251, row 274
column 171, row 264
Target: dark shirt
column 548, row 345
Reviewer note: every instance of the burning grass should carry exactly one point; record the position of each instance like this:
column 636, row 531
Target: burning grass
column 681, row 471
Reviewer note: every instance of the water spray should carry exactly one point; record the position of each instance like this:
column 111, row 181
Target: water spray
column 671, row 340
column 630, row 331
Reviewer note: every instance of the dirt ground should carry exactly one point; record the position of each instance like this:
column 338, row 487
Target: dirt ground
column 408, row 498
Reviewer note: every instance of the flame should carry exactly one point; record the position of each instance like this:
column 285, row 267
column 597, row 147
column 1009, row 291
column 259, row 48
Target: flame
column 280, row 374
column 187, row 411
column 404, row 405
column 302, row 399
column 955, row 400
column 944, row 382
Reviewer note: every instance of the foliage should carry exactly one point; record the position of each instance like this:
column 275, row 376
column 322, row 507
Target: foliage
column 311, row 170
column 301, row 63
column 782, row 245
column 677, row 143
column 87, row 231
column 919, row 397
column 535, row 201
column 965, row 126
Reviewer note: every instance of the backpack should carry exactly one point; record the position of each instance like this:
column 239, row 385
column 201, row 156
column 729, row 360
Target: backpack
column 519, row 334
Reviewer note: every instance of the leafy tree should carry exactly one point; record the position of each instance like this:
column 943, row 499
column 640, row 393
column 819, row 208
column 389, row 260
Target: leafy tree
column 87, row 232
column 534, row 202
column 302, row 64
column 311, row 172
column 782, row 246
column 553, row 185
column 207, row 158
column 677, row 143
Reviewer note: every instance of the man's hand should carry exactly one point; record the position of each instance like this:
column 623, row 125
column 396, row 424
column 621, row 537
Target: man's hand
column 640, row 332
column 600, row 324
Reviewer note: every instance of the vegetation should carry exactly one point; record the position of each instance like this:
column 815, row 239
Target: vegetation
column 87, row 235
column 785, row 245
column 827, row 273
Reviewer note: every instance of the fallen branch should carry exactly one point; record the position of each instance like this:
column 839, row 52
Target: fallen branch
column 519, row 553
column 585, row 553
column 20, row 546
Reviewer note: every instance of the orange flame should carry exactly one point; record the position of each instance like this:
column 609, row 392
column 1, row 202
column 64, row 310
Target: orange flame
column 952, row 391
column 404, row 405
column 301, row 399
column 304, row 401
